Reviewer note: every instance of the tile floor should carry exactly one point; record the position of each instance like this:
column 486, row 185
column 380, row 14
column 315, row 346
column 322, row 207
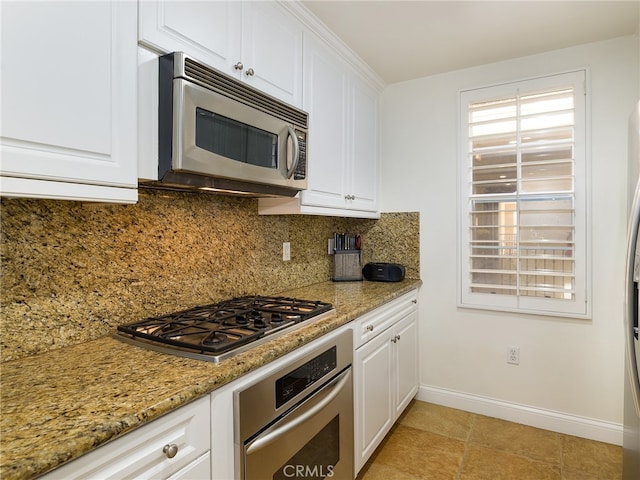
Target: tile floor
column 434, row 442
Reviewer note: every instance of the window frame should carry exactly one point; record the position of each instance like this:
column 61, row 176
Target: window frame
column 580, row 307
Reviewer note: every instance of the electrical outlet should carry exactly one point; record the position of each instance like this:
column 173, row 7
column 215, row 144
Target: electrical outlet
column 286, row 251
column 330, row 246
column 513, row 355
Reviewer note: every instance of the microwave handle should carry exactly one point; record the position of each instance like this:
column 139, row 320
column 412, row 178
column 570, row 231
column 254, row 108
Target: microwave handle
column 296, row 149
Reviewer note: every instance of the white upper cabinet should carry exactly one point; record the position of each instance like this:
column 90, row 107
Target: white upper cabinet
column 68, row 110
column 209, row 31
column 272, row 51
column 362, row 173
column 326, row 80
column 256, row 42
column 342, row 149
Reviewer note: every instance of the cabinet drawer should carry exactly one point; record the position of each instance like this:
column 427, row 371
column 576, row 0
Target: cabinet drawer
column 139, row 454
column 199, row 469
column 372, row 324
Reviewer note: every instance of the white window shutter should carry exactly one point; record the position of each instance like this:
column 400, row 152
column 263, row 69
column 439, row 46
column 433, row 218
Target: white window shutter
column 523, row 219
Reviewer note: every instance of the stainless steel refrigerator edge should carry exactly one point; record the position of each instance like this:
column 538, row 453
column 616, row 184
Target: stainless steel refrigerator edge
column 631, row 436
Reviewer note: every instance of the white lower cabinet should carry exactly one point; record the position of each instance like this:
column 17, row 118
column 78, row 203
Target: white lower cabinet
column 175, row 446
column 385, row 369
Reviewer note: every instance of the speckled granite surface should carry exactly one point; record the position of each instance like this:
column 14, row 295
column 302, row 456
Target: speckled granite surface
column 65, row 402
column 72, row 272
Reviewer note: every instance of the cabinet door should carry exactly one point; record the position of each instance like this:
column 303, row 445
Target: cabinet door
column 68, row 111
column 406, row 365
column 325, row 96
column 208, row 31
column 257, row 42
column 362, row 172
column 272, row 51
column 373, row 397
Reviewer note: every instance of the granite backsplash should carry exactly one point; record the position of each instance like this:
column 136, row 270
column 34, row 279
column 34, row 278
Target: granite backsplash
column 72, row 272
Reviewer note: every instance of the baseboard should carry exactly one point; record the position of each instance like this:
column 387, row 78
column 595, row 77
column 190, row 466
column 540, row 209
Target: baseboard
column 599, row 430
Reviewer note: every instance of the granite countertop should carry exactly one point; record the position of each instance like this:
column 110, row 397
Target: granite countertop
column 61, row 404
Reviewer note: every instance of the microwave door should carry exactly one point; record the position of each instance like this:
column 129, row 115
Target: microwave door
column 224, row 138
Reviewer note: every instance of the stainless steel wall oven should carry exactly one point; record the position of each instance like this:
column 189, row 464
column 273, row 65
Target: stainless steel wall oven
column 298, row 422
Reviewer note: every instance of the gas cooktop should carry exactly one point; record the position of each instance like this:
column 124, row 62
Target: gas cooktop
column 219, row 330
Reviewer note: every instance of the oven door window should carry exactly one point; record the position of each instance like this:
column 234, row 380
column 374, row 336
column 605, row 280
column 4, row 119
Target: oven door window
column 236, row 140
column 318, row 458
column 311, row 452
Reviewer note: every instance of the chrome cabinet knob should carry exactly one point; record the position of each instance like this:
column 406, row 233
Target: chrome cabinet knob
column 370, row 328
column 250, row 72
column 350, row 197
column 394, row 340
column 170, row 450
column 239, row 66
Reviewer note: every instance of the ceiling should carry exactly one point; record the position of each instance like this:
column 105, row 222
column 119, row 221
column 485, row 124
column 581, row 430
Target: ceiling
column 402, row 40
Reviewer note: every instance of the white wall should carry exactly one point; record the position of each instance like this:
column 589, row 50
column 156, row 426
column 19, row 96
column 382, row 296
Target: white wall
column 570, row 376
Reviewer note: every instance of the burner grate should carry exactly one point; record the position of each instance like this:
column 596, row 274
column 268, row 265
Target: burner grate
column 223, row 327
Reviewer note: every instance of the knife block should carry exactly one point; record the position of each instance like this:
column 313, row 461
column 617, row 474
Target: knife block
column 347, row 265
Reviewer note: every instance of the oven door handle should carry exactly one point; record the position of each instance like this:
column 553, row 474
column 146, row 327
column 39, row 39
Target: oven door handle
column 336, row 386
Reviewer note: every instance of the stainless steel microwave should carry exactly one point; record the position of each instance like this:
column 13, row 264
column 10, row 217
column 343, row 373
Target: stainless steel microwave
column 218, row 134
